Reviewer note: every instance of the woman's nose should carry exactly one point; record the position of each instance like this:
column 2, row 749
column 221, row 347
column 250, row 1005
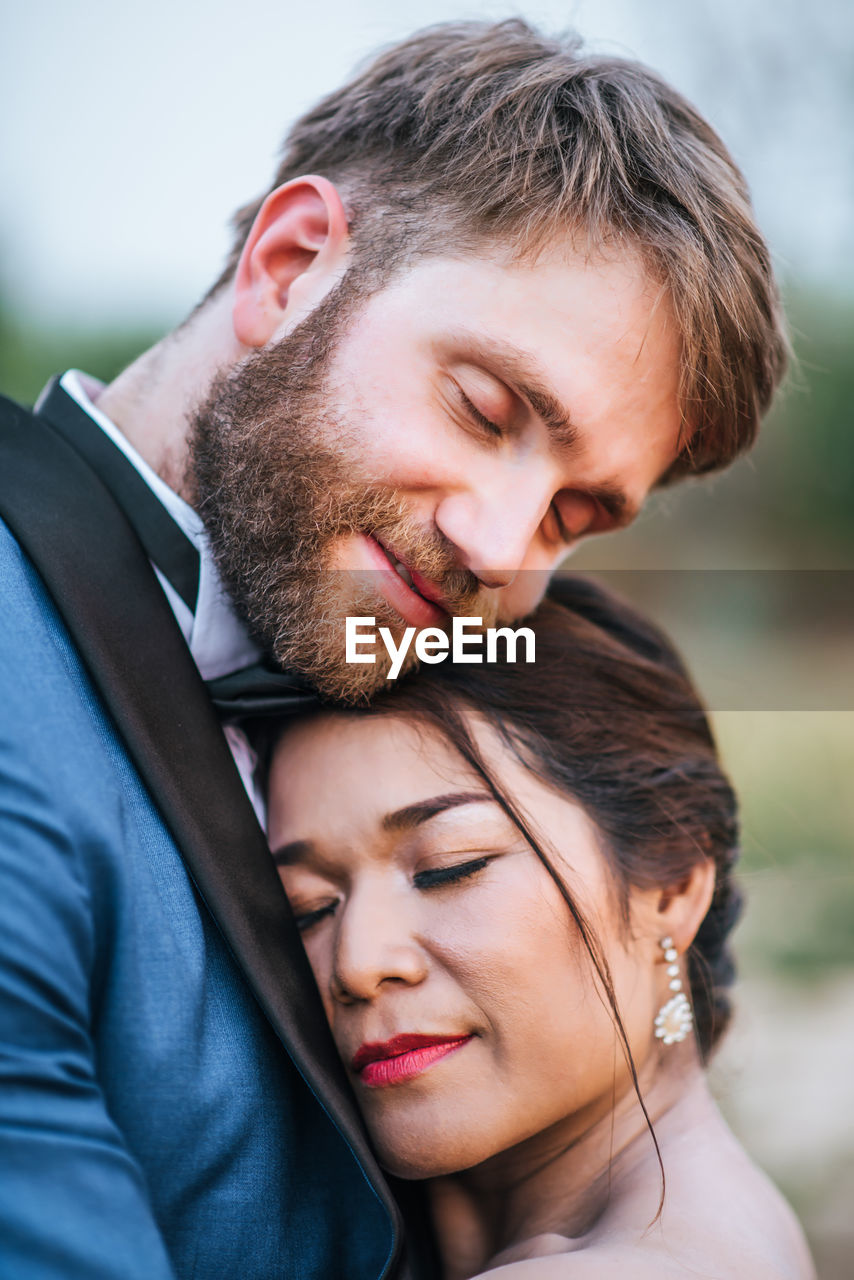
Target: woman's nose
column 375, row 947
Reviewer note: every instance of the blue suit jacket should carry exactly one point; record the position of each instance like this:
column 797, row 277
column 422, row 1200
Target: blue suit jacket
column 152, row 1123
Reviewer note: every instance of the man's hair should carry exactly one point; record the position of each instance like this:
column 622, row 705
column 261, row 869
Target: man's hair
column 472, row 136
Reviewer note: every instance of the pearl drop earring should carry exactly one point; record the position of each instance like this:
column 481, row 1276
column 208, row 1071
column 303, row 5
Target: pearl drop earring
column 674, row 1019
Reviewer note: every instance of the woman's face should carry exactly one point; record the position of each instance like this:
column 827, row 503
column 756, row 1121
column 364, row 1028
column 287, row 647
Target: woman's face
column 459, row 993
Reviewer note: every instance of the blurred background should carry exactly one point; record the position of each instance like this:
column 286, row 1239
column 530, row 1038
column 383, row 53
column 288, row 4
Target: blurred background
column 132, row 133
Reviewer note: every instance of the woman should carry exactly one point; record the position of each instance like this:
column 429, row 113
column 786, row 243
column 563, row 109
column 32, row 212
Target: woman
column 516, row 903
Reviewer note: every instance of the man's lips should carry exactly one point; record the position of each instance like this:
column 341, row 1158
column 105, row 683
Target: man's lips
column 424, row 586
column 429, row 590
column 402, row 1057
column 412, row 605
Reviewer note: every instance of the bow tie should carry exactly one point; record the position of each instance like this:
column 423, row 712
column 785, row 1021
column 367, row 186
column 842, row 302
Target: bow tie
column 259, row 690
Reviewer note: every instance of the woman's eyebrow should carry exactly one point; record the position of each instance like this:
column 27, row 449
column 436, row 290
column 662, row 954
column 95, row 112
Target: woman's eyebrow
column 296, row 851
column 405, row 819
column 412, row 815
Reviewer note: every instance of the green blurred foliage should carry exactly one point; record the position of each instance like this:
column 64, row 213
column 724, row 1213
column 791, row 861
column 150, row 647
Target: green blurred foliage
column 806, row 451
column 788, row 504
column 29, row 355
column 792, row 771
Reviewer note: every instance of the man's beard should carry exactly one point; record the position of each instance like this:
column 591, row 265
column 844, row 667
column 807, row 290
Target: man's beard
column 278, row 478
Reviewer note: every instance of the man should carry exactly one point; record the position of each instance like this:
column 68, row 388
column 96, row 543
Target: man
column 497, row 292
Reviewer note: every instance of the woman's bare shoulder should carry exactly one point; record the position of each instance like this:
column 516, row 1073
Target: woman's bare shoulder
column 595, row 1263
column 628, row 1262
column 760, row 1241
column 722, row 1219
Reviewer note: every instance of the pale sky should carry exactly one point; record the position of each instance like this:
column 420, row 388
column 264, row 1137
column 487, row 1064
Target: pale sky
column 131, row 132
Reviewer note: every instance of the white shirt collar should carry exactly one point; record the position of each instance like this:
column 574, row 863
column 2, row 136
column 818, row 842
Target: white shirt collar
column 218, row 640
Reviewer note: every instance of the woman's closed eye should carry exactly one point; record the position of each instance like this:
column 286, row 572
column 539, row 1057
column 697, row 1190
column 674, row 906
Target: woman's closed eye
column 436, row 877
column 430, row 878
column 305, row 919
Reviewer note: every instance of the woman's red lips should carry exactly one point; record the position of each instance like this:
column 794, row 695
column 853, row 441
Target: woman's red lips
column 402, row 1057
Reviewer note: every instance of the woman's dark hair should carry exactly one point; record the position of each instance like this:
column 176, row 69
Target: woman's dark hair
column 609, row 715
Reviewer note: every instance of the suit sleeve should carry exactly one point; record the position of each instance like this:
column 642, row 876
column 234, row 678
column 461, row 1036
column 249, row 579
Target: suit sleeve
column 73, row 1202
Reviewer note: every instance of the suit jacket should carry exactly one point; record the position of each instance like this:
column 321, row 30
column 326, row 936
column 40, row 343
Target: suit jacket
column 170, row 1100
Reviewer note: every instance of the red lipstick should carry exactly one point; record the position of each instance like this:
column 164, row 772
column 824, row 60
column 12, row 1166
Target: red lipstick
column 402, row 1057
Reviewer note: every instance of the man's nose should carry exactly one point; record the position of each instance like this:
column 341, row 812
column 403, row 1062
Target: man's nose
column 492, row 529
column 375, row 946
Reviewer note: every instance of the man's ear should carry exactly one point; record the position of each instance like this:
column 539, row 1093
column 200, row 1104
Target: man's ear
column 294, row 254
column 677, row 911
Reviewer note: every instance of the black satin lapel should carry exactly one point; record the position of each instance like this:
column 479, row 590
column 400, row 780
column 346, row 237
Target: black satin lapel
column 165, row 543
column 102, row 583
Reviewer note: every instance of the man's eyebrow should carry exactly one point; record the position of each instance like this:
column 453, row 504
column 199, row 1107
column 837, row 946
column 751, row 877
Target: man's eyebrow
column 412, row 815
column 615, row 501
column 526, row 376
